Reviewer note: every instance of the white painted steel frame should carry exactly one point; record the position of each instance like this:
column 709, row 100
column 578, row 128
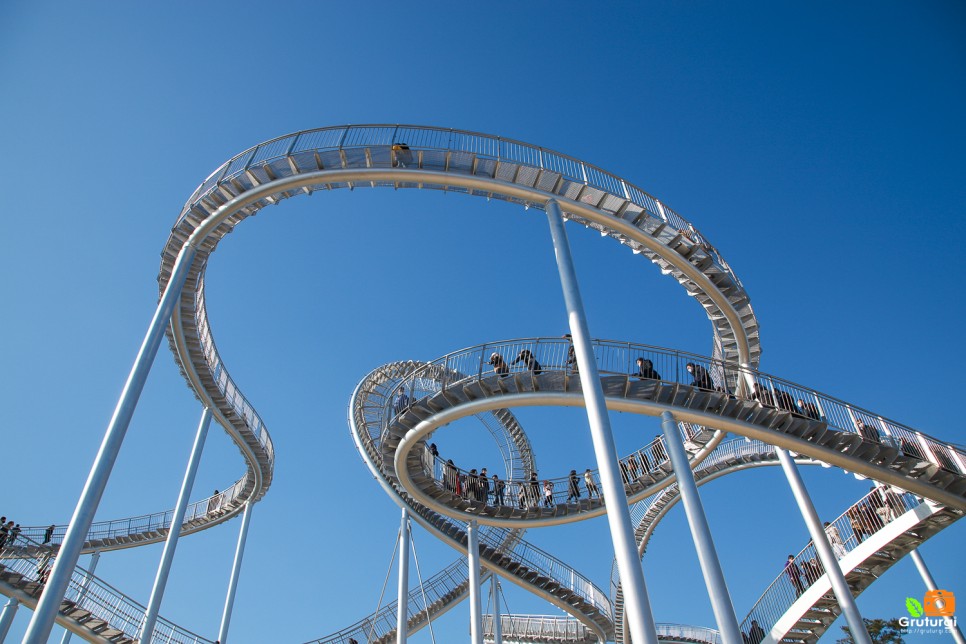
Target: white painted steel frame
column 402, row 619
column 647, row 408
column 721, row 605
column 640, row 617
column 829, row 561
column 930, row 583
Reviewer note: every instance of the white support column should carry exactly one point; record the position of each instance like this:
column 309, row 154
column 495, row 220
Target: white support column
column 724, row 610
column 38, row 631
column 174, row 530
column 497, row 621
column 473, row 562
column 6, row 617
column 829, row 561
column 402, row 603
column 638, row 616
column 931, row 585
column 95, row 557
column 235, row 572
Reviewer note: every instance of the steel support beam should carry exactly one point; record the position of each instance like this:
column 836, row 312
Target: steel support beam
column 497, row 621
column 174, row 530
column 235, row 572
column 473, row 562
column 724, row 610
column 402, row 603
column 6, row 617
column 820, row 539
column 927, row 579
column 637, row 605
column 46, row 612
column 95, row 557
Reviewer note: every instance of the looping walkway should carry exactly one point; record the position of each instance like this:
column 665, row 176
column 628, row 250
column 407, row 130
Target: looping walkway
column 709, row 397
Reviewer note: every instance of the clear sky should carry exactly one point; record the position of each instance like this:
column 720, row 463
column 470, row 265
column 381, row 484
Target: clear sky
column 819, row 146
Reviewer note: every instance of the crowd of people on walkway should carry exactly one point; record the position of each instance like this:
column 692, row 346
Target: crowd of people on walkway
column 768, row 395
column 9, row 533
column 482, row 487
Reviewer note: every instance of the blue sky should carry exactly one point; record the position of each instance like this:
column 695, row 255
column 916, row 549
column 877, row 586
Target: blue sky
column 819, row 146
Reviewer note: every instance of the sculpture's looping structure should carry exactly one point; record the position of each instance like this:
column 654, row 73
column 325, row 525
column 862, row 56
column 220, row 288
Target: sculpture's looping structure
column 392, row 439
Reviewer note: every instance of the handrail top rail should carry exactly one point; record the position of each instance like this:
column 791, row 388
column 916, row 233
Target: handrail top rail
column 631, row 346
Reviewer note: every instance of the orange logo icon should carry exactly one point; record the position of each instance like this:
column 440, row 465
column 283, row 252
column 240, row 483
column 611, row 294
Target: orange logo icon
column 939, row 603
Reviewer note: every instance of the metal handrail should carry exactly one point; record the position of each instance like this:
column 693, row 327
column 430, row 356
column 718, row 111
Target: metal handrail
column 527, row 493
column 688, row 633
column 456, row 149
column 538, row 626
column 618, row 358
column 119, row 528
column 868, row 515
column 90, row 593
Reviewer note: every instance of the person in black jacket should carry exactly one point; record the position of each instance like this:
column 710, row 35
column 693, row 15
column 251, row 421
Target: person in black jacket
column 702, row 379
column 645, row 369
column 529, row 361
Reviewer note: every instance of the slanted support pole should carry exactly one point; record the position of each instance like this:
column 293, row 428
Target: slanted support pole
column 174, row 530
column 638, row 613
column 38, row 631
column 402, row 603
column 931, row 585
column 235, row 572
column 829, row 561
column 724, row 610
column 6, row 617
column 95, row 557
column 473, row 562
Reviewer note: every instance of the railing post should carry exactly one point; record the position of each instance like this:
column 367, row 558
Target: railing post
column 47, row 608
column 724, row 610
column 473, row 562
column 820, row 539
column 95, row 557
column 927, row 579
column 6, row 617
column 235, row 572
column 638, row 607
column 402, row 603
column 174, row 529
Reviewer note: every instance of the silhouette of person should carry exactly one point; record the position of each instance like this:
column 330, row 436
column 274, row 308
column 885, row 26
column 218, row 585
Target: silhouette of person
column 756, row 634
column 529, row 362
column 763, row 396
column 808, row 410
column 868, row 432
column 49, row 533
column 401, row 402
column 498, row 488
column 702, row 379
column 645, row 369
column 592, row 488
column 402, row 154
column 548, row 493
column 499, row 365
column 571, row 355
column 794, row 575
column 835, row 540
column 574, row 486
